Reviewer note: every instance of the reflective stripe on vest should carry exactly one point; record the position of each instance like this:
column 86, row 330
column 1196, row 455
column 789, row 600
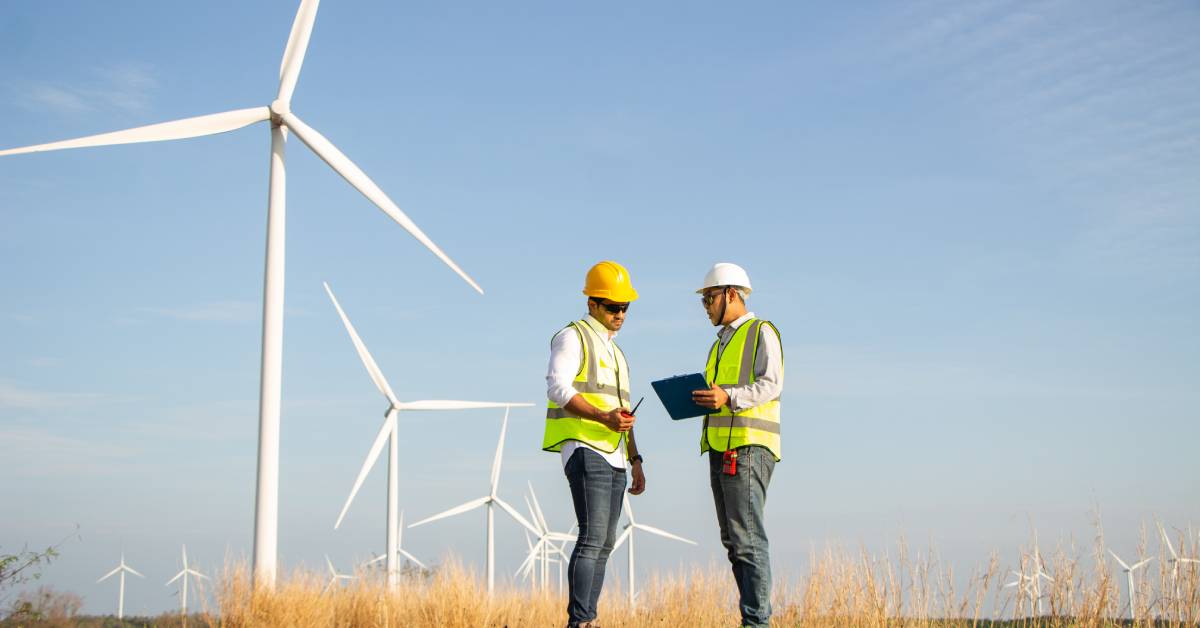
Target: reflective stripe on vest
column 602, row 383
column 758, row 425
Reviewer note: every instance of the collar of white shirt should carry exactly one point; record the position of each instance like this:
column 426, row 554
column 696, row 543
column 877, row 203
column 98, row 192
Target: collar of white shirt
column 599, row 327
column 732, row 327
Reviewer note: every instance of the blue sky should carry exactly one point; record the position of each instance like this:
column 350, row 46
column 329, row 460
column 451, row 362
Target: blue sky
column 974, row 223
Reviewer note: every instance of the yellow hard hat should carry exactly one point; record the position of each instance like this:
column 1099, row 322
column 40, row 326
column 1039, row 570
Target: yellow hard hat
column 609, row 280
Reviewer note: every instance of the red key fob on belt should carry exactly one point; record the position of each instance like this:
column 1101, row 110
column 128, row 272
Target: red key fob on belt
column 730, row 462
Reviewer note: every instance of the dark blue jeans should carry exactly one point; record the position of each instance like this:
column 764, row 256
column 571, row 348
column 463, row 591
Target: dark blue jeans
column 740, row 500
column 596, row 490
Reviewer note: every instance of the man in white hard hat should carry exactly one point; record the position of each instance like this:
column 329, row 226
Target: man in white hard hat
column 741, row 435
column 589, row 423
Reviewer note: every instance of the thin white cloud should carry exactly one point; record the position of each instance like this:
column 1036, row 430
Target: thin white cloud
column 217, row 311
column 125, row 88
column 13, row 395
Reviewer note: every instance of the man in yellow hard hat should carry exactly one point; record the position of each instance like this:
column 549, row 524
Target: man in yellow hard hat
column 588, row 421
column 741, row 435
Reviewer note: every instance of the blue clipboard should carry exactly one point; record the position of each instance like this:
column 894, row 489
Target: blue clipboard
column 675, row 393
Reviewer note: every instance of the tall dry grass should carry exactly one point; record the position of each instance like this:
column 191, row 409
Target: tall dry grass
column 840, row 589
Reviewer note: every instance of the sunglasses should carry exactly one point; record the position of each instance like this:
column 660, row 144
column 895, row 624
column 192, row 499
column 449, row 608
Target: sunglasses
column 613, row 308
column 709, row 297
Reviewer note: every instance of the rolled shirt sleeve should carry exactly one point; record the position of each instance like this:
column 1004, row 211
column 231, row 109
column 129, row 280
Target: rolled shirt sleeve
column 565, row 355
column 768, row 374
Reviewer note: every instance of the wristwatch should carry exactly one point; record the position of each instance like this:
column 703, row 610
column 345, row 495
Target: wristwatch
column 637, row 458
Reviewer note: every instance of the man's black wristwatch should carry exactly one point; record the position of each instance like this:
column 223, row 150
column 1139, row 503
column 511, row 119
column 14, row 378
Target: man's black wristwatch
column 637, row 458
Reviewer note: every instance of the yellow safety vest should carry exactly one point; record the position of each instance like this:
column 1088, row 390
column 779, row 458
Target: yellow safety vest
column 758, row 425
column 602, row 383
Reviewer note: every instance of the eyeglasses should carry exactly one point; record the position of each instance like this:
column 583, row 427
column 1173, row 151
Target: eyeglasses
column 612, row 308
column 709, row 297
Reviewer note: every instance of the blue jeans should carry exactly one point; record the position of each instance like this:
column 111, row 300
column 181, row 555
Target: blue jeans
column 740, row 500
column 596, row 489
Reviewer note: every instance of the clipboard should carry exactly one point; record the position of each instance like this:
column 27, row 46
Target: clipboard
column 675, row 393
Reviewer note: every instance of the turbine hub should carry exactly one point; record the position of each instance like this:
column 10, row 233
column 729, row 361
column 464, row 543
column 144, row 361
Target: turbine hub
column 279, row 107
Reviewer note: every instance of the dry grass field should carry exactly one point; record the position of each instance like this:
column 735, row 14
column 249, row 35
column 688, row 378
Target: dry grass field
column 841, row 588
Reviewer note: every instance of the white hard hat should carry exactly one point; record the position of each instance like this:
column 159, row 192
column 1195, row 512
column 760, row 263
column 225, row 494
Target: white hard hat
column 726, row 274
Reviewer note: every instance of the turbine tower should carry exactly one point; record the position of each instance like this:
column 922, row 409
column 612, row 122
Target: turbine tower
column 388, row 434
column 1129, row 576
column 281, row 118
column 184, row 573
column 627, row 535
column 489, row 500
column 121, row 569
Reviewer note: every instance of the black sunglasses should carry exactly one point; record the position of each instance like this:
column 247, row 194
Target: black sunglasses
column 708, row 297
column 612, row 308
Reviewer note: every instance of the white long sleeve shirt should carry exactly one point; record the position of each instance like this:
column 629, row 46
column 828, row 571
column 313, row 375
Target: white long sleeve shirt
column 566, row 351
column 768, row 366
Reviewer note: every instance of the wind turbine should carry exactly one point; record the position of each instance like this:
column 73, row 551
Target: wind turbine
column 121, row 569
column 489, row 500
column 399, row 546
column 627, row 535
column 1129, row 575
column 388, row 434
column 334, row 576
column 281, row 118
column 1175, row 559
column 539, row 553
column 184, row 573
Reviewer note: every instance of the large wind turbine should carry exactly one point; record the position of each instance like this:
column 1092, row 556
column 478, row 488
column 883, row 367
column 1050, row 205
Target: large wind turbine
column 1129, row 575
column 281, row 118
column 1175, row 559
column 184, row 573
column 627, row 535
column 121, row 569
column 489, row 500
column 388, row 434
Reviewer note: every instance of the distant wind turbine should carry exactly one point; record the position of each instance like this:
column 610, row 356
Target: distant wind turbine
column 489, row 500
column 388, row 434
column 184, row 573
column 539, row 553
column 1129, row 575
column 627, row 535
column 121, row 569
column 399, row 547
column 281, row 118
column 334, row 576
column 1175, row 558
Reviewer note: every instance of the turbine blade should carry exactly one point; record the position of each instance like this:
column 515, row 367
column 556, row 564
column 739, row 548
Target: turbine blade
column 498, row 460
column 381, row 439
column 376, row 559
column 628, row 507
column 624, row 536
column 363, row 354
column 516, row 515
column 1114, row 555
column 357, row 178
column 108, row 575
column 537, row 508
column 561, row 536
column 1139, row 564
column 198, row 574
column 134, row 571
column 175, row 130
column 1167, row 540
column 297, row 44
column 330, row 563
column 412, row 558
column 654, row 530
column 435, row 404
column 471, row 505
column 177, row 576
